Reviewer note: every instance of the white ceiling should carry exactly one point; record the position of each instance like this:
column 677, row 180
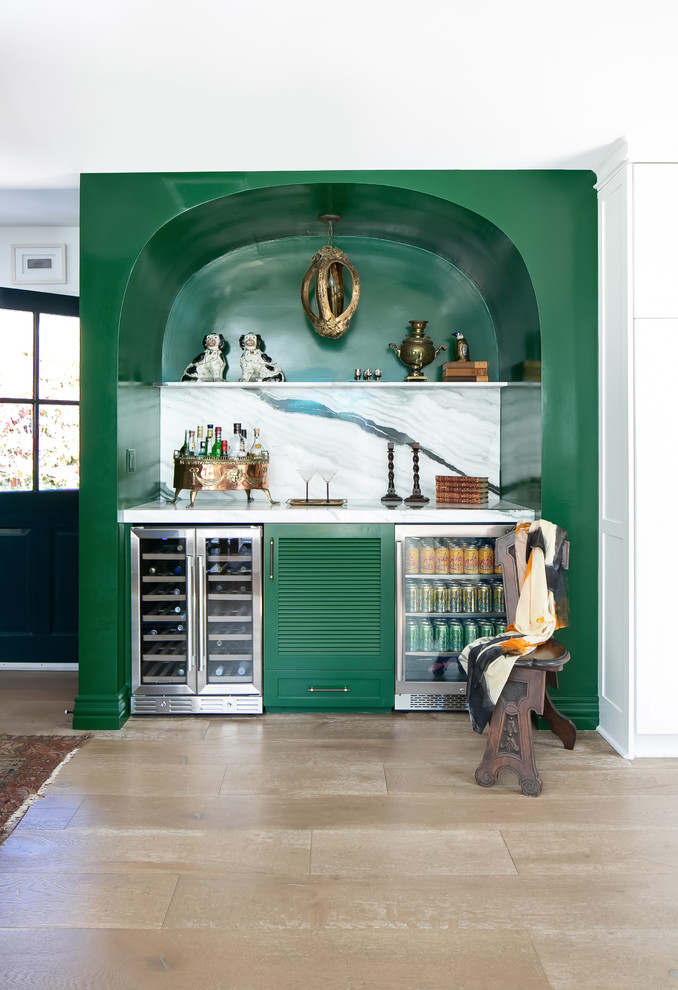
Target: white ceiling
column 166, row 85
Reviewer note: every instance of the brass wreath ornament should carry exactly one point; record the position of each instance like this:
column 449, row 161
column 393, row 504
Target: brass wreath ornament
column 327, row 269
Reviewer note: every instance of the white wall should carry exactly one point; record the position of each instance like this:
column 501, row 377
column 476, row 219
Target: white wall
column 41, row 236
column 655, row 362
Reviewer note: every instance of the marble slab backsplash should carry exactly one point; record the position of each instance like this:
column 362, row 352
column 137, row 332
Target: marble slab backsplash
column 347, row 429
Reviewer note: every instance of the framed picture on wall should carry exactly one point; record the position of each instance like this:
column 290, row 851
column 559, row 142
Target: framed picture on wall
column 34, row 264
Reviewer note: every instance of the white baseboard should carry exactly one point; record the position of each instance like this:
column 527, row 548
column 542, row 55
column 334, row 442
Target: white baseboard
column 9, row 665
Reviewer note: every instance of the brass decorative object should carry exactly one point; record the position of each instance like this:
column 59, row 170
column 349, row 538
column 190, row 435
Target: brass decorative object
column 210, row 475
column 327, row 266
column 417, row 351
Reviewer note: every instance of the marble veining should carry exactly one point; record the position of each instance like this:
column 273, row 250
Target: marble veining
column 348, row 430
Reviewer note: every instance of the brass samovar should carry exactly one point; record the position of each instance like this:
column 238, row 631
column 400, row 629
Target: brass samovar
column 417, row 351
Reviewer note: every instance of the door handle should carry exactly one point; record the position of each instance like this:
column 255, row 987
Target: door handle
column 190, row 613
column 201, row 612
column 343, row 690
column 270, row 561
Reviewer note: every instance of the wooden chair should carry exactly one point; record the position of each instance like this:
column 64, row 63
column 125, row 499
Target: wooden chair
column 510, row 742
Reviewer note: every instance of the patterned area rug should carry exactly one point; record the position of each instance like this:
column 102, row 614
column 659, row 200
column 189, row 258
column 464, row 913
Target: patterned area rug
column 26, row 764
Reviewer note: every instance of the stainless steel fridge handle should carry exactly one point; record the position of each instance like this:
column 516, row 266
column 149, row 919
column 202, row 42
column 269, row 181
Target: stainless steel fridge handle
column 190, row 623
column 270, row 561
column 201, row 600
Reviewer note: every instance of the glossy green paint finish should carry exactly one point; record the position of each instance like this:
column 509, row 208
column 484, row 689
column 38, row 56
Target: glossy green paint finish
column 256, row 289
column 142, row 241
column 260, row 217
column 329, row 617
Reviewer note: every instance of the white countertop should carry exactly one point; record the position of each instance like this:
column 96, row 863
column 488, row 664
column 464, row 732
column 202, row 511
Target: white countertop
column 223, row 509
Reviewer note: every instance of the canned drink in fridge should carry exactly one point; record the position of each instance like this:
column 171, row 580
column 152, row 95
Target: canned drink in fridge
column 427, row 558
column 413, row 597
column 440, row 636
column 485, row 627
column 483, row 597
column 471, row 557
column 426, row 598
column 442, row 557
column 469, row 598
column 413, row 634
column 426, row 638
column 441, row 598
column 470, row 631
column 455, row 636
column 499, row 627
column 456, row 598
column 456, row 557
column 412, row 557
column 498, row 604
column 486, row 559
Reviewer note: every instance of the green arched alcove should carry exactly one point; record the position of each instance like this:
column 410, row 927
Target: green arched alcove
column 421, row 252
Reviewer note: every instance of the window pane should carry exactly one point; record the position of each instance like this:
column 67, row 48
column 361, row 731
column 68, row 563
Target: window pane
column 16, row 446
column 59, row 357
column 16, row 347
column 59, row 446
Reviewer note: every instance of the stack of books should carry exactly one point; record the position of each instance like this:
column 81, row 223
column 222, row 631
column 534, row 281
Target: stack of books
column 465, row 371
column 454, row 489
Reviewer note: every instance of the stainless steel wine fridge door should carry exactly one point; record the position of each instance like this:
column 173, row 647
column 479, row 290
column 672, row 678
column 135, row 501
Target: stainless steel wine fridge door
column 163, row 625
column 449, row 592
column 196, row 620
column 228, row 582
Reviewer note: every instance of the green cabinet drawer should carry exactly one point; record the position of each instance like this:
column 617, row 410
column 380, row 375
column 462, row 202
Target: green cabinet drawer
column 305, row 690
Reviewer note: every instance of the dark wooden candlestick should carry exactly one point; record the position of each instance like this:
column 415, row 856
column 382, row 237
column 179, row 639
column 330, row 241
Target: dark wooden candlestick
column 391, row 498
column 416, row 499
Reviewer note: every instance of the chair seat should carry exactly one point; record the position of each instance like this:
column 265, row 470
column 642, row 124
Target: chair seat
column 551, row 655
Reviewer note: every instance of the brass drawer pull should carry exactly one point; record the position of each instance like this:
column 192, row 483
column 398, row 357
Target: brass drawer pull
column 342, row 689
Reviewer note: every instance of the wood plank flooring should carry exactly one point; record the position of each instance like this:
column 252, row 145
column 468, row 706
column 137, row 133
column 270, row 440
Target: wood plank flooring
column 332, row 852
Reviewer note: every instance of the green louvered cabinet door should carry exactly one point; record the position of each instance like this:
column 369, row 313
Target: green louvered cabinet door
column 329, row 617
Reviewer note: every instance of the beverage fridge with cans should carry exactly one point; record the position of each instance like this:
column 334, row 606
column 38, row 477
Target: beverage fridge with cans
column 196, row 620
column 449, row 592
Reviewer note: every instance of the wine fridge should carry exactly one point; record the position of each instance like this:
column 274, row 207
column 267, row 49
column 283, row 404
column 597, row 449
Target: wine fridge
column 449, row 591
column 196, row 620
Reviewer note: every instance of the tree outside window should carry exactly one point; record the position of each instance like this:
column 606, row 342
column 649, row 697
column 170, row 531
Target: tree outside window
column 39, row 391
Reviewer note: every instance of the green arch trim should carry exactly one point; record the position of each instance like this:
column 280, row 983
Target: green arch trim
column 194, row 238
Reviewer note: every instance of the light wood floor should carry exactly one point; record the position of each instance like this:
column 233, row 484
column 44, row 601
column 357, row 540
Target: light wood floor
column 333, row 851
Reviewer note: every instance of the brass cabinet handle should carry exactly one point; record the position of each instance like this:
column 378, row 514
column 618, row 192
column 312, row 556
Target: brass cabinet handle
column 342, row 689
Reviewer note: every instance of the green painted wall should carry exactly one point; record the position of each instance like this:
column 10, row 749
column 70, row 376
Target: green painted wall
column 256, row 288
column 142, row 238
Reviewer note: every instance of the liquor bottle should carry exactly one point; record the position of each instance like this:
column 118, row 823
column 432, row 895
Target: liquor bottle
column 200, row 443
column 235, row 444
column 224, row 450
column 209, row 440
column 192, row 446
column 183, row 450
column 257, row 450
column 216, row 446
column 242, row 452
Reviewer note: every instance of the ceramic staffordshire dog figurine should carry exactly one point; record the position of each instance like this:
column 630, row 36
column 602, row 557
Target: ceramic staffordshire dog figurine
column 255, row 364
column 209, row 366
